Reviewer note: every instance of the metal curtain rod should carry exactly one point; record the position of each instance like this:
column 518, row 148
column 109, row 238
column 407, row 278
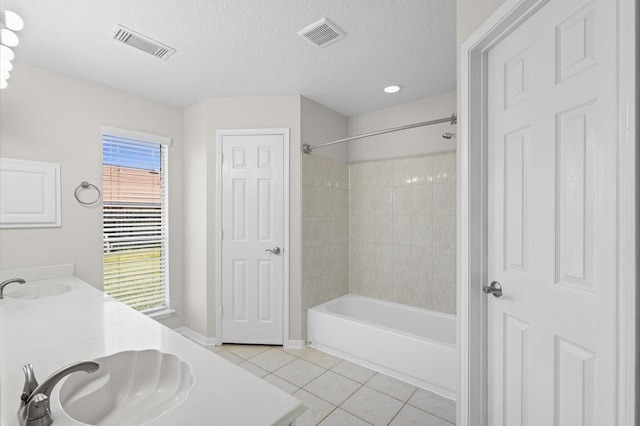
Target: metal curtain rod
column 307, row 149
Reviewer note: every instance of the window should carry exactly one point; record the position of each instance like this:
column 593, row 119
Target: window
column 135, row 219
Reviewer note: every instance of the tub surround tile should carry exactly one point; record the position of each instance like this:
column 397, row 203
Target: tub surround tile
column 422, row 231
column 372, row 406
column 422, row 199
column 444, row 264
column 444, row 199
column 299, row 372
column 353, row 371
column 422, row 170
column 332, row 387
column 428, row 401
column 444, row 168
column 317, row 409
column 401, row 171
column 392, row 387
column 411, row 416
column 444, row 232
column 325, row 229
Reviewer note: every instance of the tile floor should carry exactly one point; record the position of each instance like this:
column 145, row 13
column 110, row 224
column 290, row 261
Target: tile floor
column 338, row 392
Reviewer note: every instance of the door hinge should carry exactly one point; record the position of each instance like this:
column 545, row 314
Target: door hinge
column 222, row 234
column 221, row 158
column 221, row 310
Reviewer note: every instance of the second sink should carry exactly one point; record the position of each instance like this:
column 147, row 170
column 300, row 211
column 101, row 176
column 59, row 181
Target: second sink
column 130, row 388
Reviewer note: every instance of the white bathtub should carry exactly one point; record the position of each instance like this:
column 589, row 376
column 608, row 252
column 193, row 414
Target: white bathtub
column 411, row 344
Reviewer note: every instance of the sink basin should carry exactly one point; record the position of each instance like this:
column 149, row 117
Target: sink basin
column 37, row 290
column 130, row 388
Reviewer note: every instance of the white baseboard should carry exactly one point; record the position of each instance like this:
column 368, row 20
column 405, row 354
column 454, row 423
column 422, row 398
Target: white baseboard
column 196, row 337
column 296, row 344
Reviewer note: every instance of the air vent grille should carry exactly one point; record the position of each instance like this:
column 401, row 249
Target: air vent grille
column 322, row 33
column 142, row 42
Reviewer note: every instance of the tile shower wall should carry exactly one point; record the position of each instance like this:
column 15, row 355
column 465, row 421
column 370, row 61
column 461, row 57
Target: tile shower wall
column 325, row 231
column 403, row 230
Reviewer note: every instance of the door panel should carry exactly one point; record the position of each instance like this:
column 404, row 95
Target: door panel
column 252, row 223
column 552, row 185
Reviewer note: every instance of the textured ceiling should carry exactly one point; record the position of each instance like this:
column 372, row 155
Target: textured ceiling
column 249, row 48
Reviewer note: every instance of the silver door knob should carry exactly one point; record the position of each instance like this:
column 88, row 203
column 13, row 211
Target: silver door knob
column 494, row 288
column 274, row 251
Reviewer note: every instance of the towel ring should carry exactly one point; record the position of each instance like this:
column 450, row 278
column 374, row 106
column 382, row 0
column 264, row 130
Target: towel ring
column 86, row 185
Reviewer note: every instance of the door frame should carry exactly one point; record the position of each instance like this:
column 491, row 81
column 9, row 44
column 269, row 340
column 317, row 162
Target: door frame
column 220, row 133
column 472, row 208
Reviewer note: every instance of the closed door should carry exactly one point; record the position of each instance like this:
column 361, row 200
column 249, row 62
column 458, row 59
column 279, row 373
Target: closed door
column 552, row 184
column 252, row 238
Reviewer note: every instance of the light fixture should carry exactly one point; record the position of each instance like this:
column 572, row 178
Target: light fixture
column 9, row 22
column 6, row 54
column 5, row 65
column 394, row 88
column 8, row 37
column 12, row 20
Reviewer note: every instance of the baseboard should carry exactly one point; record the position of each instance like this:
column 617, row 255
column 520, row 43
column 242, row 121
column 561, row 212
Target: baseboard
column 296, row 344
column 196, row 337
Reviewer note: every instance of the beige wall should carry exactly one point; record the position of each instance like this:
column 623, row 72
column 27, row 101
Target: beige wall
column 201, row 122
column 405, row 143
column 47, row 116
column 472, row 13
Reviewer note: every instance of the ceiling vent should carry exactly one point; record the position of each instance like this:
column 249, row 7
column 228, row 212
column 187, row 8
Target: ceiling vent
column 322, row 33
column 142, row 42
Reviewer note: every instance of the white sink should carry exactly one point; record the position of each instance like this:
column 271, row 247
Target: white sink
column 130, row 388
column 37, row 289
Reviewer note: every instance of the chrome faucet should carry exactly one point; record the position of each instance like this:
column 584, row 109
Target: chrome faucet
column 34, row 407
column 3, row 284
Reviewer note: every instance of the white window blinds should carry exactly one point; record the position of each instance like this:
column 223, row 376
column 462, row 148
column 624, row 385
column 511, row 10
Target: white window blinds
column 135, row 220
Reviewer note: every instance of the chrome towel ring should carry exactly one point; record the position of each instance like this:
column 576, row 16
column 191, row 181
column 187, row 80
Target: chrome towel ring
column 87, row 185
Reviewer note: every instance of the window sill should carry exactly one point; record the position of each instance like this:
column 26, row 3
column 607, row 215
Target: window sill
column 160, row 314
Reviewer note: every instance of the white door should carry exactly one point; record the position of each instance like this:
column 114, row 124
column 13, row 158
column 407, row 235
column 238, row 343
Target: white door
column 252, row 237
column 552, row 218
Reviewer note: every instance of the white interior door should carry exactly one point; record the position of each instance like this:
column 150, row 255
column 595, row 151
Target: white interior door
column 252, row 237
column 552, row 219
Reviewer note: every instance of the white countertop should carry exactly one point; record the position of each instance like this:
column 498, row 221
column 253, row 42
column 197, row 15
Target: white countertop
column 85, row 324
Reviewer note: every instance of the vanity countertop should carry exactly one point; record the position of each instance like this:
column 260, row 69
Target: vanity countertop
column 85, row 324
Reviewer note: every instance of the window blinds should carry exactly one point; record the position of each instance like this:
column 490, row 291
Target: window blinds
column 135, row 221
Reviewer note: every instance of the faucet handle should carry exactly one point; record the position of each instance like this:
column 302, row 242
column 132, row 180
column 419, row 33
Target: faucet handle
column 30, row 382
column 38, row 409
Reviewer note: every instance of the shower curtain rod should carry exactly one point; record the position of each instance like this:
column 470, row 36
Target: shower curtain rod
column 307, row 149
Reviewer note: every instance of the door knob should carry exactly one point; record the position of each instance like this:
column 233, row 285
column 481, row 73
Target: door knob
column 274, row 251
column 494, row 288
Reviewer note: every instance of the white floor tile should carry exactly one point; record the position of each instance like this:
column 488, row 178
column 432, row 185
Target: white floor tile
column 280, row 383
column 411, row 416
column 436, row 404
column 246, row 351
column 272, row 359
column 253, row 369
column 353, row 371
column 340, row 417
column 392, row 387
column 332, row 387
column 299, row 372
column 322, row 359
column 372, row 406
column 229, row 356
column 317, row 409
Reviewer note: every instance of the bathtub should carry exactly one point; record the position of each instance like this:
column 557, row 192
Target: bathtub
column 411, row 344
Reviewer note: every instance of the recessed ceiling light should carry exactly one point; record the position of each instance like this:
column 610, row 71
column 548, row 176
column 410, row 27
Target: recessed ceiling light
column 395, row 88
